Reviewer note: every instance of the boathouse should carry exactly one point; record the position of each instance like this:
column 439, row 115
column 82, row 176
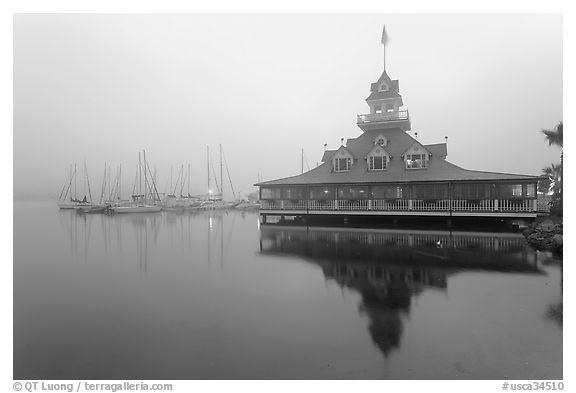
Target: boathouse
column 387, row 172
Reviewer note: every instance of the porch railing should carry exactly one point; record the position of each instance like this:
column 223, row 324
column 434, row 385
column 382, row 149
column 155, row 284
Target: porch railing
column 386, row 205
column 525, row 205
column 378, row 117
column 456, row 205
column 431, row 205
column 473, row 205
column 328, row 204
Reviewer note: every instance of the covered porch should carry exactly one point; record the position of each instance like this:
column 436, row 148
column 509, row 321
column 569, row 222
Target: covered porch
column 489, row 199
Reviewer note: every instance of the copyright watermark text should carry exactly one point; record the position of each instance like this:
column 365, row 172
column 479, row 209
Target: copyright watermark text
column 83, row 386
column 533, row 385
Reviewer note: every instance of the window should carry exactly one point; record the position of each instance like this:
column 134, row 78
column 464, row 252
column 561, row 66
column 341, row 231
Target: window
column 383, row 87
column 293, row 193
column 342, row 164
column 530, row 190
column 353, row 192
column 388, row 192
column 472, row 191
column 389, row 108
column 381, row 140
column 430, row 191
column 416, row 161
column 270, row 193
column 377, row 163
column 322, row 193
column 505, row 191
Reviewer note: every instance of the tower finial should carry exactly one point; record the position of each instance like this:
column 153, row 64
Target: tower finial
column 384, row 41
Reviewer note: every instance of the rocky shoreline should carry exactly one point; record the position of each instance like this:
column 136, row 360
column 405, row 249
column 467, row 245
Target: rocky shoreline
column 545, row 235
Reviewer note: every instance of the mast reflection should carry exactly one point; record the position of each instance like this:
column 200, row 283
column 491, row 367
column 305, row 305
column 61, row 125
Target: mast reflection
column 390, row 267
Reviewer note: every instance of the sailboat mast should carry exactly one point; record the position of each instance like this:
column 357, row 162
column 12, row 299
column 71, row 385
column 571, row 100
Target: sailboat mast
column 154, row 182
column 229, row 178
column 109, row 182
column 139, row 177
column 63, row 188
column 88, row 181
column 153, row 188
column 145, row 177
column 182, row 181
column 103, row 185
column 84, row 177
column 221, row 178
column 75, row 183
column 69, row 189
column 120, row 182
column 208, row 168
column 188, row 179
column 171, row 176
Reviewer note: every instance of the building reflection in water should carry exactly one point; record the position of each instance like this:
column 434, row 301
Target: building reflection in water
column 390, row 267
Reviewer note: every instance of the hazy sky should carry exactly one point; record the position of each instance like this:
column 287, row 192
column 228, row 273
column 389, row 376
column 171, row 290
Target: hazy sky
column 103, row 87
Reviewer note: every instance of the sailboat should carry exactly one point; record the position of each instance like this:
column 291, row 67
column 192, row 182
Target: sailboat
column 72, row 202
column 216, row 200
column 102, row 206
column 144, row 202
column 63, row 202
column 85, row 205
column 181, row 202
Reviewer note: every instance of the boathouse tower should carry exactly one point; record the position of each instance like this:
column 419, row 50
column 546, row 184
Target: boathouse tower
column 385, row 102
column 387, row 172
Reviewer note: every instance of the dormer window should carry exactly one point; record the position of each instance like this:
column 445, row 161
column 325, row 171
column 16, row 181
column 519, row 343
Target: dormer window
column 383, row 87
column 416, row 161
column 343, row 161
column 377, row 159
column 342, row 164
column 377, row 163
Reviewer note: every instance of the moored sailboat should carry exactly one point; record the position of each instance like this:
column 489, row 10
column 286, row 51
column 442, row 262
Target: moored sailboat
column 147, row 200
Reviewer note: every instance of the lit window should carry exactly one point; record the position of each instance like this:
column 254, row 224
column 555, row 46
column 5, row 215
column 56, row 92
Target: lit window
column 517, row 190
column 389, row 108
column 342, row 164
column 530, row 190
column 377, row 163
column 416, row 161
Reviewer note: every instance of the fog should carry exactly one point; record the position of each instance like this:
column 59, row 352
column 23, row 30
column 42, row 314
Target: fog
column 101, row 88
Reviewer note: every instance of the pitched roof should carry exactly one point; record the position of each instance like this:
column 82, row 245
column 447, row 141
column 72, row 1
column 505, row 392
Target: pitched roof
column 439, row 149
column 380, row 95
column 398, row 142
column 327, row 154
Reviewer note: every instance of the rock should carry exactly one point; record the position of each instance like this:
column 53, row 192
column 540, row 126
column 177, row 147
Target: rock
column 545, row 235
column 546, row 225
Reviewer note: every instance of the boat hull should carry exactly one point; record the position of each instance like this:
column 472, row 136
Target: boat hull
column 66, row 205
column 136, row 209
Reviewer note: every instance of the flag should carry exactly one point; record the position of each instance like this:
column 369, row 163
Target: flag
column 384, row 35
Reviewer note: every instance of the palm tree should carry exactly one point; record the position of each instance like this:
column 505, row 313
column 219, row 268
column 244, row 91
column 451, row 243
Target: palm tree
column 552, row 180
column 555, row 138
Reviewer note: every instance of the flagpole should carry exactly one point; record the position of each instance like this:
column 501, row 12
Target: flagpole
column 384, row 39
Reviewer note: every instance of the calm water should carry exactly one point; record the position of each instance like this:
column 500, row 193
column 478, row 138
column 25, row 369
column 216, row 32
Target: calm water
column 214, row 296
